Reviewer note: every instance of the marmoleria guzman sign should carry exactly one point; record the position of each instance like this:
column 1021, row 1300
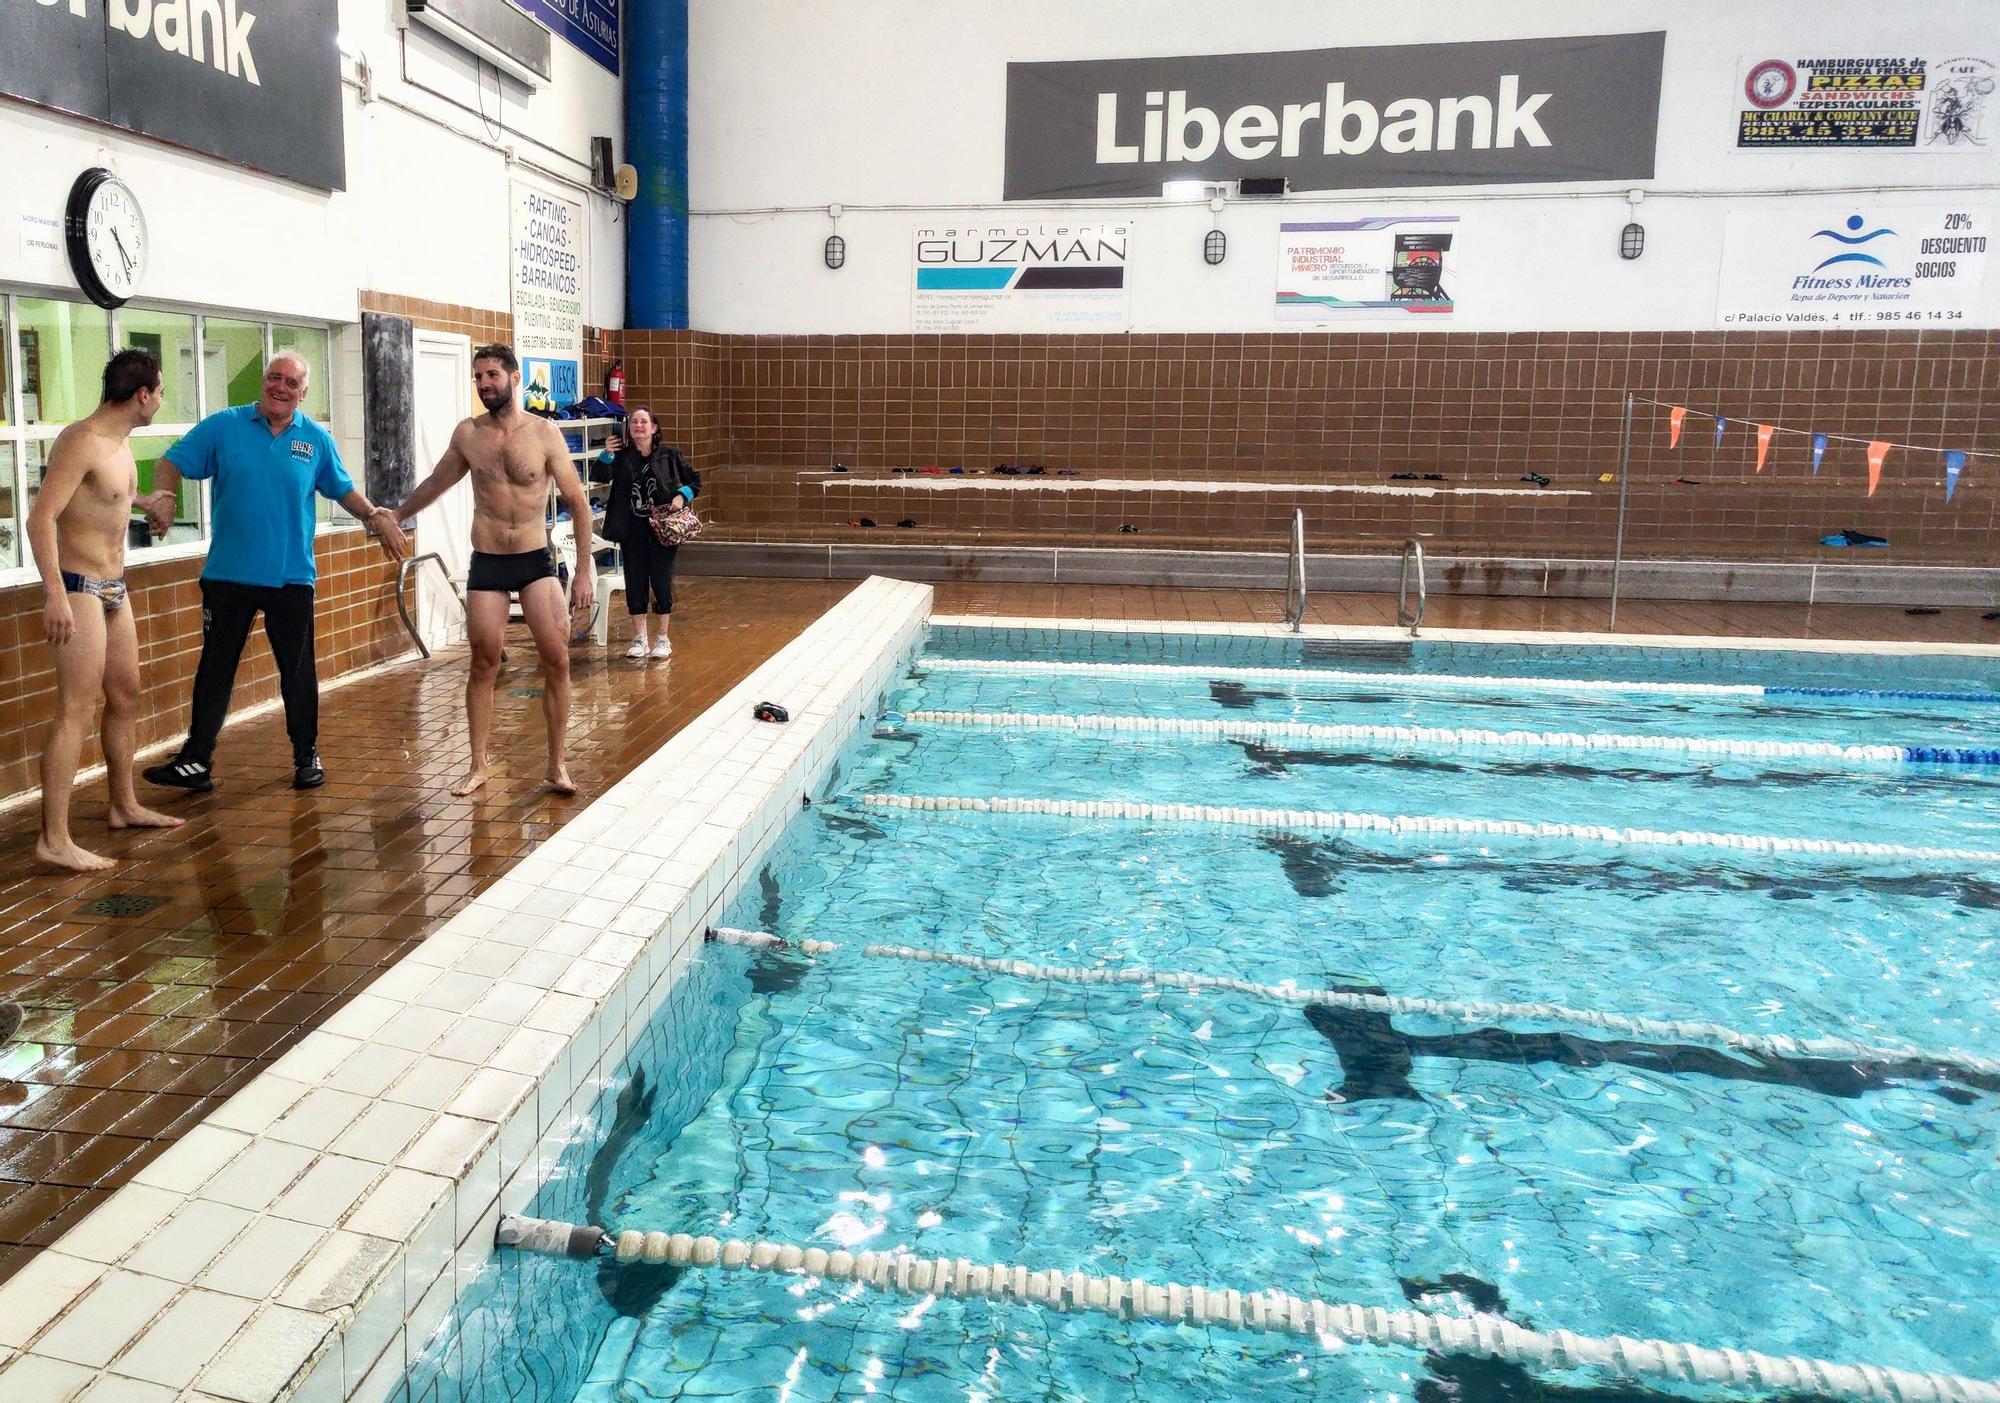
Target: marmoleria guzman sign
column 1507, row 112
column 256, row 82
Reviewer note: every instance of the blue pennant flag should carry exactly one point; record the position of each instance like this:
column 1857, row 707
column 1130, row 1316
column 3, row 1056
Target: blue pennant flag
column 1954, row 464
column 1819, row 451
column 1720, row 424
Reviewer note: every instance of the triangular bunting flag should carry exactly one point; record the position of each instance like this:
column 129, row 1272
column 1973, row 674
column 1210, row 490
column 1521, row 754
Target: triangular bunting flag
column 1720, row 424
column 1954, row 464
column 1819, row 451
column 1763, row 445
column 1674, row 425
column 1877, row 451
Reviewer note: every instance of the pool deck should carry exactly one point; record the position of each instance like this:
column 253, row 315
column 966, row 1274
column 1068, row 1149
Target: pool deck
column 272, row 909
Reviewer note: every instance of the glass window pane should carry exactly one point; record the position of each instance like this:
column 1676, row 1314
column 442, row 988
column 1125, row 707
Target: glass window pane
column 170, row 336
column 12, row 523
column 233, row 362
column 310, row 342
column 146, row 451
column 6, row 366
column 64, row 346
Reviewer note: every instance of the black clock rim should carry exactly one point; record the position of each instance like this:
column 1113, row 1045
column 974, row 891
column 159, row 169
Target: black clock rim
column 75, row 236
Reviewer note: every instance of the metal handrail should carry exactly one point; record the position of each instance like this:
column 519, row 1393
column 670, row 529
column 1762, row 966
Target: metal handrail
column 1405, row 616
column 1295, row 575
column 403, row 574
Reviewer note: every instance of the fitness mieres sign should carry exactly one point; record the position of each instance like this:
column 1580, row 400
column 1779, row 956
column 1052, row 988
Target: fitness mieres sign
column 1512, row 111
column 256, row 82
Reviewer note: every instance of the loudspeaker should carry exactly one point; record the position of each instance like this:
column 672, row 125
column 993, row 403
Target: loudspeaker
column 1264, row 185
column 601, row 174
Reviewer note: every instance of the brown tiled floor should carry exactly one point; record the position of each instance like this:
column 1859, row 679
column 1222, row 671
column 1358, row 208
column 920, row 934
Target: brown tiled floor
column 271, row 908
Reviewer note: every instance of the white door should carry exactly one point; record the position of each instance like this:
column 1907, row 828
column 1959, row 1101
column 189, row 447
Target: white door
column 443, row 396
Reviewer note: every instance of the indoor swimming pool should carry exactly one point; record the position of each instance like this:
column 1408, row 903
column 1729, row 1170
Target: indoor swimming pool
column 1657, row 1004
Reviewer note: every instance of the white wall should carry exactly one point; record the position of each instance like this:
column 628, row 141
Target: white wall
column 425, row 213
column 902, row 103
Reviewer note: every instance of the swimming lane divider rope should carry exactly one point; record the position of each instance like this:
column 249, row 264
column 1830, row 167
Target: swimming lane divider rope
column 1441, row 679
column 1263, row 1310
column 1407, row 825
column 1474, row 1013
column 1461, row 737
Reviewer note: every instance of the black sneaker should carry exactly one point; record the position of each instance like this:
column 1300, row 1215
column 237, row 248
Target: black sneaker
column 307, row 774
column 178, row 773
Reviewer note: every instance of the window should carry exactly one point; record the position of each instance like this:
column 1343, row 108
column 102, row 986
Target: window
column 64, row 346
column 11, row 521
column 52, row 355
column 171, row 337
column 310, row 342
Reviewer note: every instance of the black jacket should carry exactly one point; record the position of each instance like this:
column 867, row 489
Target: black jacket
column 651, row 481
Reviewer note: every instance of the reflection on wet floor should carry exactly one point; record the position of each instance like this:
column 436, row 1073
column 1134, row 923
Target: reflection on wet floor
column 272, row 908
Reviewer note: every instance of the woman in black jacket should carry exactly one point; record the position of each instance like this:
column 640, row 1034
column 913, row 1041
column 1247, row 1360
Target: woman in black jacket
column 645, row 474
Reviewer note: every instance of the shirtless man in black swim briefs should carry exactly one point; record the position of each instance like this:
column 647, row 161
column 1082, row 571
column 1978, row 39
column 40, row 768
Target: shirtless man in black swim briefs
column 78, row 530
column 513, row 457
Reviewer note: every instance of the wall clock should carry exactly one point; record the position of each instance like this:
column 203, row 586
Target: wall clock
column 105, row 231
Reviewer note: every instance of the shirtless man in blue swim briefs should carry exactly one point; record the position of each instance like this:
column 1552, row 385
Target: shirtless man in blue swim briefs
column 77, row 528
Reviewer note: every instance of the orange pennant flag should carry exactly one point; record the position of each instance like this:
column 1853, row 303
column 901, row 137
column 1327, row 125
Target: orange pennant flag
column 1674, row 425
column 1877, row 451
column 1763, row 444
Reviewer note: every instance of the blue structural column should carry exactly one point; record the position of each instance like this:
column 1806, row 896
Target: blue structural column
column 656, row 143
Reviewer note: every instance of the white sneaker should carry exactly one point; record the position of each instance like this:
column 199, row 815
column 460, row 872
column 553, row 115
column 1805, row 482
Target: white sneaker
column 638, row 648
column 663, row 647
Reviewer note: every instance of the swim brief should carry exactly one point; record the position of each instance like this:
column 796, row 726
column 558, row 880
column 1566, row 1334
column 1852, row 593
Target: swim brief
column 510, row 574
column 109, row 593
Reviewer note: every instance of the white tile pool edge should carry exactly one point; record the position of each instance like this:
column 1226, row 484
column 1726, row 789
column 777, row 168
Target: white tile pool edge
column 306, row 1239
column 1379, row 633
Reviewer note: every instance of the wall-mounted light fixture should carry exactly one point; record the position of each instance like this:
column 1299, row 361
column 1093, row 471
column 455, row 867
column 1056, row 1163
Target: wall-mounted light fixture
column 1632, row 238
column 835, row 251
column 1215, row 246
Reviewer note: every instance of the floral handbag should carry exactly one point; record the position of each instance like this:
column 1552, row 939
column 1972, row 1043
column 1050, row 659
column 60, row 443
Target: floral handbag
column 675, row 525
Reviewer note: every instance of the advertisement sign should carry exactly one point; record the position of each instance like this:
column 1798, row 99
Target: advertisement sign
column 255, row 82
column 1853, row 266
column 1020, row 277
column 1385, row 266
column 547, row 261
column 589, row 25
column 1937, row 103
column 1498, row 113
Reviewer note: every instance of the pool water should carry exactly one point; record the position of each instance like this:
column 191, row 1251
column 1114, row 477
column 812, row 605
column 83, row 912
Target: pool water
column 1564, row 1178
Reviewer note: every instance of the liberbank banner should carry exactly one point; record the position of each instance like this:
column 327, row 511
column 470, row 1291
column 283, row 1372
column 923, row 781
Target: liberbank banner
column 256, row 82
column 1507, row 112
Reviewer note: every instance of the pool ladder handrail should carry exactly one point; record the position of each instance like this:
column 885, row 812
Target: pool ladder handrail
column 1405, row 616
column 1295, row 575
column 404, row 573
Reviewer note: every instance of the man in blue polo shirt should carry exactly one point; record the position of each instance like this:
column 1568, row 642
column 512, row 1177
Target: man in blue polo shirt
column 268, row 461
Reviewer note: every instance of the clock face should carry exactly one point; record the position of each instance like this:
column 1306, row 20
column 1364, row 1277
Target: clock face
column 107, row 238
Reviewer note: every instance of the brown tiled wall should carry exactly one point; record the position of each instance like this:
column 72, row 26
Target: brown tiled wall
column 1484, row 409
column 356, row 626
column 479, row 323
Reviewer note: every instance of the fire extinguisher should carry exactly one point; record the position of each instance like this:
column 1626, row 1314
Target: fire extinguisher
column 614, row 384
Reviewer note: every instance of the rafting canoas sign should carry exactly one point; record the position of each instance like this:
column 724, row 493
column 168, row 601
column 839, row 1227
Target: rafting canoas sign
column 1505, row 112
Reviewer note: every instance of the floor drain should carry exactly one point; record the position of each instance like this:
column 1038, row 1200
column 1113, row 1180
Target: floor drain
column 525, row 692
column 125, row 904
